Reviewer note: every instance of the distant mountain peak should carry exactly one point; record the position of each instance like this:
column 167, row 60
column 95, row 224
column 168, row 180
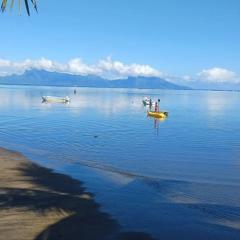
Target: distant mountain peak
column 45, row 78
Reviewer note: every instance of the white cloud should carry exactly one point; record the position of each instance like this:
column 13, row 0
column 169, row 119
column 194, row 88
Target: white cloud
column 116, row 68
column 218, row 75
column 106, row 68
column 8, row 67
column 77, row 66
column 187, row 78
column 112, row 69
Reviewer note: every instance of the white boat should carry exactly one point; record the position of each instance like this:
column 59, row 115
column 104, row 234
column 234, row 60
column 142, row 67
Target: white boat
column 148, row 101
column 56, row 99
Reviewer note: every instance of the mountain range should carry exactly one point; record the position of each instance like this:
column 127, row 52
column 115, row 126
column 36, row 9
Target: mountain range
column 46, row 78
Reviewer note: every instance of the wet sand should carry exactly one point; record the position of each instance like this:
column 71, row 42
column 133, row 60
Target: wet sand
column 38, row 204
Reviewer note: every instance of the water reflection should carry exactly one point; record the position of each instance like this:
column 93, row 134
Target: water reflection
column 217, row 103
column 32, row 97
column 196, row 144
column 155, row 108
column 112, row 101
column 197, row 127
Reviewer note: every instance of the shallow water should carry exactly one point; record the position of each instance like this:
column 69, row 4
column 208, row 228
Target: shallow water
column 183, row 171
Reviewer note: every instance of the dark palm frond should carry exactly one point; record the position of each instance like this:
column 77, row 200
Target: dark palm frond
column 27, row 7
column 34, row 5
column 5, row 3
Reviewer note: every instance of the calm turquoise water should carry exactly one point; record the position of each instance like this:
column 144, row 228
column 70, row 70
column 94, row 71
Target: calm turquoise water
column 184, row 170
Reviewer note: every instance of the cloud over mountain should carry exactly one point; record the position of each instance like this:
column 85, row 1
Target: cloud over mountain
column 107, row 68
column 111, row 69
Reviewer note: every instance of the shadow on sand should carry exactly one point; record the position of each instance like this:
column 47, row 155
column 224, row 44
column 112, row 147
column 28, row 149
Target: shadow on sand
column 45, row 193
column 60, row 193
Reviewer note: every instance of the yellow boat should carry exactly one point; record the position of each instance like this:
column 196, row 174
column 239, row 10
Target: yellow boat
column 158, row 114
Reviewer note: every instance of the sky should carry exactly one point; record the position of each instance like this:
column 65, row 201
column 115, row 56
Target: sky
column 175, row 39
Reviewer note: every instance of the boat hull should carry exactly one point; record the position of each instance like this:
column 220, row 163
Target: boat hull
column 158, row 114
column 55, row 99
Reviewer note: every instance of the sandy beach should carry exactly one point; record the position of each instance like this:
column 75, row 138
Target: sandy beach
column 38, row 204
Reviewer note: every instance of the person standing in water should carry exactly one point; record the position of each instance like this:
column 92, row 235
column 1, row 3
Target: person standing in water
column 158, row 105
column 157, row 109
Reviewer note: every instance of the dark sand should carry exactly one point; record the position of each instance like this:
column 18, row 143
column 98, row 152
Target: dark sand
column 38, row 204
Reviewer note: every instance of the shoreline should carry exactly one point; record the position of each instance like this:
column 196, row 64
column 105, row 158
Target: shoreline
column 72, row 86
column 37, row 203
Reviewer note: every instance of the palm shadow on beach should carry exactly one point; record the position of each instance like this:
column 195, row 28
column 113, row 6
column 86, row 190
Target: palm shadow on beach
column 82, row 218
column 60, row 193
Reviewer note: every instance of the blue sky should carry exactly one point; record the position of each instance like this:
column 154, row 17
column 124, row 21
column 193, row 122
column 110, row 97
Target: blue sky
column 175, row 37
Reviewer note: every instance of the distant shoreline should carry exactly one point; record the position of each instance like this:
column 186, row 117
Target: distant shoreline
column 65, row 86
